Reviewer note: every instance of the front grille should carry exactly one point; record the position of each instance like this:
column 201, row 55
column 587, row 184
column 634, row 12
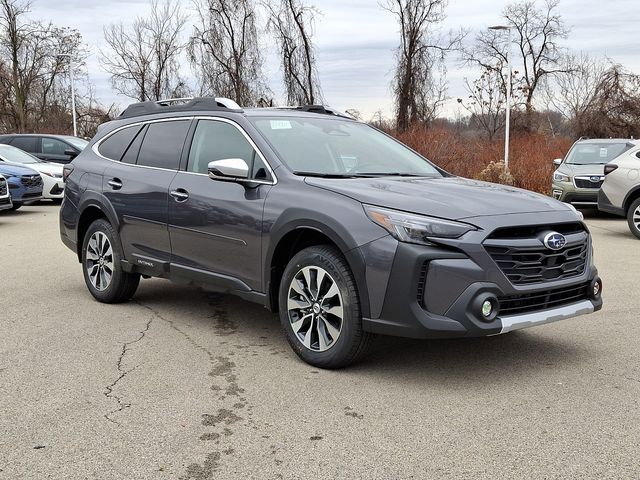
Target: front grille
column 532, row 302
column 31, row 180
column 524, row 259
column 3, row 187
column 586, row 182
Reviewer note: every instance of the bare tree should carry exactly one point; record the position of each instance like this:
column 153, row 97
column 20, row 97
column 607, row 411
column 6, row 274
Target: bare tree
column 419, row 86
column 225, row 52
column 31, row 67
column 486, row 102
column 292, row 24
column 614, row 110
column 537, row 54
column 143, row 60
column 572, row 92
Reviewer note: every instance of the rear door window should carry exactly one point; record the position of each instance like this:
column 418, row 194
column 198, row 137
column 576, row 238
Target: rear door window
column 28, row 144
column 115, row 145
column 163, row 143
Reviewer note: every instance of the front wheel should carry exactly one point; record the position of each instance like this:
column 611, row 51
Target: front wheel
column 101, row 265
column 633, row 218
column 16, row 206
column 320, row 309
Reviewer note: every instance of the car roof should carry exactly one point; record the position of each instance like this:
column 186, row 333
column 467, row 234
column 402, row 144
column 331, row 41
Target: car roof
column 608, row 140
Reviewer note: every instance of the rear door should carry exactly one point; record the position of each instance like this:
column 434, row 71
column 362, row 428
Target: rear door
column 216, row 226
column 138, row 188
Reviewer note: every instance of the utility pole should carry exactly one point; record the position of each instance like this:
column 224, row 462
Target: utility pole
column 507, row 125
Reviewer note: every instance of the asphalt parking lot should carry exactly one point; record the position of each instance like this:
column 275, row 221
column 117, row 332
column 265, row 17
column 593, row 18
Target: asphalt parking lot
column 183, row 384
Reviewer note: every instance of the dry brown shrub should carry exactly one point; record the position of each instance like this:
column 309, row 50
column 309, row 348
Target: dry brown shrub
column 530, row 162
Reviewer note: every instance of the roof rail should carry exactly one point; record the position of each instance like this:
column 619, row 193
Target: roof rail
column 321, row 109
column 185, row 104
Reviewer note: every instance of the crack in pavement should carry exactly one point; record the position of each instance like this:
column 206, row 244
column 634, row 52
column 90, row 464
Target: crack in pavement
column 172, row 324
column 109, row 389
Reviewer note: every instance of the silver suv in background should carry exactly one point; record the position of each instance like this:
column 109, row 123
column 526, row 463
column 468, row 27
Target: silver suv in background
column 620, row 193
column 580, row 175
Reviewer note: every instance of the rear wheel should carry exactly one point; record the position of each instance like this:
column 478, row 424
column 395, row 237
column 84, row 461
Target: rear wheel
column 101, row 262
column 320, row 309
column 633, row 217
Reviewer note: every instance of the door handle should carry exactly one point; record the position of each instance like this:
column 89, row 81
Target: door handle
column 180, row 195
column 115, row 183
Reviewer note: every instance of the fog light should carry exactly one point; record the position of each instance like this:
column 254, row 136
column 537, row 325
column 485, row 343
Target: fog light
column 596, row 288
column 487, row 308
column 557, row 194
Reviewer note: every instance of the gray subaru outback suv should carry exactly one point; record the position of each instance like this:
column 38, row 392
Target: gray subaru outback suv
column 335, row 225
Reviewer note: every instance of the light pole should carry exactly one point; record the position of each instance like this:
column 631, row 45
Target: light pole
column 73, row 91
column 509, row 85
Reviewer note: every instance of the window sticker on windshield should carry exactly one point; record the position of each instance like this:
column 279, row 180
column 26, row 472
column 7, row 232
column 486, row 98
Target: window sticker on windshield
column 603, row 152
column 280, row 124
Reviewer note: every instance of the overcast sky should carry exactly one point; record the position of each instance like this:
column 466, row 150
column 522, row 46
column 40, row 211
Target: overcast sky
column 355, row 40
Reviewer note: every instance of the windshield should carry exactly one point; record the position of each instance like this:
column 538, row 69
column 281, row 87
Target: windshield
column 595, row 153
column 340, row 148
column 79, row 143
column 15, row 155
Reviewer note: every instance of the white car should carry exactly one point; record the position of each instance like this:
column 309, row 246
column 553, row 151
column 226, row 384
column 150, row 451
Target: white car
column 51, row 173
column 5, row 197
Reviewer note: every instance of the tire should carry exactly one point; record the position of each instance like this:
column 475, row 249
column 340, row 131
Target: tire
column 633, row 218
column 310, row 314
column 101, row 257
column 16, row 206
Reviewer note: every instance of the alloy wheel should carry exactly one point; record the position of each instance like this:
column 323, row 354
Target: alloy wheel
column 636, row 218
column 99, row 261
column 315, row 308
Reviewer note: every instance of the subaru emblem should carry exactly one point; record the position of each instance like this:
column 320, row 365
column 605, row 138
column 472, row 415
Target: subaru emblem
column 595, row 179
column 554, row 241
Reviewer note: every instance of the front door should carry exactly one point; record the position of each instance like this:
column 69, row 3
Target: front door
column 215, row 226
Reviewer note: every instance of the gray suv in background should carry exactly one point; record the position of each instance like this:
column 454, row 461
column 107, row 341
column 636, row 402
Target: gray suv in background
column 335, row 225
column 579, row 176
column 620, row 193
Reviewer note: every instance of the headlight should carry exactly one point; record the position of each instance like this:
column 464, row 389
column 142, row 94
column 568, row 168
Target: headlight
column 561, row 177
column 411, row 228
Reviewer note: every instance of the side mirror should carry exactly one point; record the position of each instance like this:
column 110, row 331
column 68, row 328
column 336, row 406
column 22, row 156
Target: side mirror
column 557, row 161
column 71, row 153
column 229, row 169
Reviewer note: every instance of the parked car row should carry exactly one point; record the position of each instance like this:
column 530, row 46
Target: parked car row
column 31, row 167
column 602, row 173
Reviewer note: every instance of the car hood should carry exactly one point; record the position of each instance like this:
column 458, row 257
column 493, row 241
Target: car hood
column 449, row 197
column 13, row 169
column 586, row 170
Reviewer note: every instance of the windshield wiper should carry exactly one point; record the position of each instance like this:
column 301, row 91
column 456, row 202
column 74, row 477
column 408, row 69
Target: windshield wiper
column 393, row 174
column 326, row 175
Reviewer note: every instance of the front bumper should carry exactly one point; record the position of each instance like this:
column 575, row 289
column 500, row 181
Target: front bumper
column 53, row 188
column 437, row 292
column 5, row 203
column 567, row 192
